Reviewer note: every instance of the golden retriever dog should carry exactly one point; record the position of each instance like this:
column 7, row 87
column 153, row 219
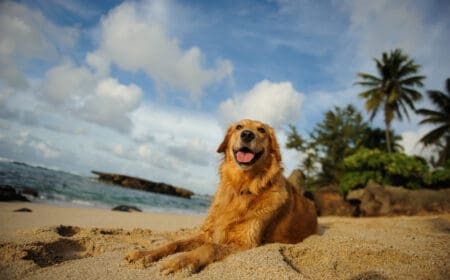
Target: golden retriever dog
column 254, row 204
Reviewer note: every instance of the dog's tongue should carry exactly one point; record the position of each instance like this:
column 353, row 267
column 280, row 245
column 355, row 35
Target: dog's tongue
column 244, row 157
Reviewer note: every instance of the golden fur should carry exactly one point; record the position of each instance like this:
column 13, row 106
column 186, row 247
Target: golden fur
column 254, row 204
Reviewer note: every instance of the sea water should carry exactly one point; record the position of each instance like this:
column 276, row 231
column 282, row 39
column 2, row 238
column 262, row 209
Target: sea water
column 63, row 188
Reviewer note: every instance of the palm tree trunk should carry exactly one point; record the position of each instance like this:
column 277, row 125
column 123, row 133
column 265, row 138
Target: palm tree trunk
column 388, row 136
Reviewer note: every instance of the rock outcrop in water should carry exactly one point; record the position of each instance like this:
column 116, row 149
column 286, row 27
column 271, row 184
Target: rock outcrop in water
column 8, row 193
column 141, row 184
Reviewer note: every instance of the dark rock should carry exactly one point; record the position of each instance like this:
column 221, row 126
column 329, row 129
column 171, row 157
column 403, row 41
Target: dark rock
column 378, row 200
column 297, row 179
column 332, row 203
column 126, row 208
column 309, row 195
column 8, row 193
column 23, row 210
column 30, row 192
column 141, row 184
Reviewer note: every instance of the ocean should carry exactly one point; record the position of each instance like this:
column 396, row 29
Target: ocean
column 67, row 189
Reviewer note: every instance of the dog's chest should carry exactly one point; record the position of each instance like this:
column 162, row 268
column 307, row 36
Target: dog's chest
column 233, row 216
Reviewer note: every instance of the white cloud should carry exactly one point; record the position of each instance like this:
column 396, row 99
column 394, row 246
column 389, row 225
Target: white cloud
column 24, row 140
column 112, row 103
column 138, row 41
column 105, row 101
column 274, row 103
column 26, row 35
column 145, row 151
column 174, row 126
column 412, row 146
column 68, row 84
column 44, row 149
column 180, row 144
column 194, row 151
column 291, row 158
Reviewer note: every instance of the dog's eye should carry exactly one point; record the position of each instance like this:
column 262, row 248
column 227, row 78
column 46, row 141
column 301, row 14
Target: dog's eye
column 239, row 127
column 262, row 130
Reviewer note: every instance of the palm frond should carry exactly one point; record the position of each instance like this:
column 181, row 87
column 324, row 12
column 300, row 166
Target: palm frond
column 414, row 94
column 412, row 81
column 429, row 113
column 367, row 84
column 404, row 104
column 370, row 77
column 408, row 69
column 435, row 135
column 373, row 114
column 440, row 99
column 370, row 92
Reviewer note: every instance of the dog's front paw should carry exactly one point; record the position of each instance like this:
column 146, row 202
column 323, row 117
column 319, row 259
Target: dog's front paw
column 146, row 256
column 177, row 263
column 133, row 256
column 141, row 259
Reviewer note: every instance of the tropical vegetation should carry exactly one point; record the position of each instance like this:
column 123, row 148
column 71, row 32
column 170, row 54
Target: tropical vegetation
column 346, row 151
column 341, row 133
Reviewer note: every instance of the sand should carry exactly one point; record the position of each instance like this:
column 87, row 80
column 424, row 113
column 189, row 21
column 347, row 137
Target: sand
column 70, row 243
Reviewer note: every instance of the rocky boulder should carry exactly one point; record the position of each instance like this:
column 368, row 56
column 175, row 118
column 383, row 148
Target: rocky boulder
column 126, row 208
column 330, row 202
column 27, row 191
column 297, row 179
column 378, row 200
column 8, row 193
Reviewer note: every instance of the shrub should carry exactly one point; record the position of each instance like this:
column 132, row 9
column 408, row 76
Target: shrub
column 390, row 169
column 440, row 178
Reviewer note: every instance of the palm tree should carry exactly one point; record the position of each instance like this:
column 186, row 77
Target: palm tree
column 393, row 91
column 441, row 117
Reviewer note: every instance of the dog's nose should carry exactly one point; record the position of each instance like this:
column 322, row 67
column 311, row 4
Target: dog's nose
column 247, row 136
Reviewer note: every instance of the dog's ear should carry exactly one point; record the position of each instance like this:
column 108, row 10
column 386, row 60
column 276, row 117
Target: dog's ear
column 274, row 147
column 223, row 146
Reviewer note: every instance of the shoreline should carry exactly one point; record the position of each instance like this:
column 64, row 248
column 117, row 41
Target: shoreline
column 54, row 242
column 47, row 215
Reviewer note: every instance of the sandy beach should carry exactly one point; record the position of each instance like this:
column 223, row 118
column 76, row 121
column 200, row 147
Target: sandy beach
column 54, row 242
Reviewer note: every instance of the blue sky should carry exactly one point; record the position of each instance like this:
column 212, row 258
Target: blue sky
column 147, row 88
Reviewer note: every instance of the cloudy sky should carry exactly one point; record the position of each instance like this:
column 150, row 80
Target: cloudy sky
column 147, row 88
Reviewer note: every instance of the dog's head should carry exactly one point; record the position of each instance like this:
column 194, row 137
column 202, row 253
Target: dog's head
column 250, row 144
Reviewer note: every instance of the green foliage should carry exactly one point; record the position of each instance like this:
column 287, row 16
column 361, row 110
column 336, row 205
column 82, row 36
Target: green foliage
column 295, row 140
column 440, row 178
column 334, row 139
column 394, row 169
